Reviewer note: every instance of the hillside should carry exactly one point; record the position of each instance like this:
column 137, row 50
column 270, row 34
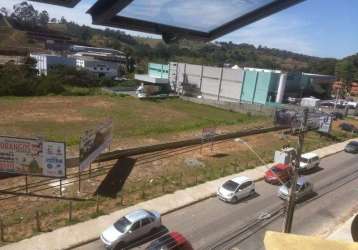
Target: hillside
column 148, row 49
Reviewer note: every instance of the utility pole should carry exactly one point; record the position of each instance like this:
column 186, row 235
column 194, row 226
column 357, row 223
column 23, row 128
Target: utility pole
column 292, row 192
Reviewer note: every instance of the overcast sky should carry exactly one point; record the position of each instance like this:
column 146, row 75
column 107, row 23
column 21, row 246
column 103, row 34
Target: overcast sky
column 326, row 28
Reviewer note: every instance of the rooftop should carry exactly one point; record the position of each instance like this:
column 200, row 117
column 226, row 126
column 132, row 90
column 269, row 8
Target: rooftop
column 241, row 179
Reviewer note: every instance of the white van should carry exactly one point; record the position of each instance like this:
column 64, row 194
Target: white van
column 309, row 161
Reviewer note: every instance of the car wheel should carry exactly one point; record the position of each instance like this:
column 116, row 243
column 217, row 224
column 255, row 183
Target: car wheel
column 234, row 200
column 252, row 192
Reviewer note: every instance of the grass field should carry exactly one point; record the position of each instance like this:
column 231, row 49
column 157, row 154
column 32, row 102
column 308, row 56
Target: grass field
column 66, row 118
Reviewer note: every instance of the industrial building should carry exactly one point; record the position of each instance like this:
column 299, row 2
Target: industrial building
column 46, row 62
column 157, row 74
column 102, row 62
column 249, row 85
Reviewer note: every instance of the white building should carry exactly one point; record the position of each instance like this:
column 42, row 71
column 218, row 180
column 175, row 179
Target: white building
column 98, row 67
column 46, row 62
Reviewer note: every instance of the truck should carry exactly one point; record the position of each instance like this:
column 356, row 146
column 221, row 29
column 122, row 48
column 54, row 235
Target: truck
column 147, row 90
column 310, row 102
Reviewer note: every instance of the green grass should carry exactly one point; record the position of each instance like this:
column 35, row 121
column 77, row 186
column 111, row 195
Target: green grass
column 65, row 118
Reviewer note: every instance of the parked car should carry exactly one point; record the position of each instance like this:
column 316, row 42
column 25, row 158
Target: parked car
column 303, row 189
column 235, row 189
column 336, row 115
column 173, row 241
column 348, row 127
column 130, row 228
column 278, row 172
column 309, row 161
column 352, row 147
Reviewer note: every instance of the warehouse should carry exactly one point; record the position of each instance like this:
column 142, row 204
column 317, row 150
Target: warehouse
column 248, row 85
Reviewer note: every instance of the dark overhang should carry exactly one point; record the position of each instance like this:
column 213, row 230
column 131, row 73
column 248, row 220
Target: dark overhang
column 65, row 3
column 138, row 15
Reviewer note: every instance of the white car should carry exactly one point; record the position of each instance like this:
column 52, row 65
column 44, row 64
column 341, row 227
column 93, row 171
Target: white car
column 309, row 161
column 130, row 228
column 235, row 189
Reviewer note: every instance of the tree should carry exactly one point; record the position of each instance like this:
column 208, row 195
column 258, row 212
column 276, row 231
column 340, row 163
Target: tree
column 63, row 20
column 345, row 73
column 43, row 18
column 25, row 14
column 53, row 20
column 4, row 11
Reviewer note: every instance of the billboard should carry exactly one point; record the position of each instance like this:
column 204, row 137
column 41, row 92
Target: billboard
column 32, row 157
column 94, row 142
column 325, row 124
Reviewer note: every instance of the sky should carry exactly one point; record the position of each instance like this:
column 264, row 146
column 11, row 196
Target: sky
column 325, row 28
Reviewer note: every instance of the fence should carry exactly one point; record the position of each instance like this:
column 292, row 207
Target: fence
column 17, row 225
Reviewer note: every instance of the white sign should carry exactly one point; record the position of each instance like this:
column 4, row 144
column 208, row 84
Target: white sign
column 325, row 124
column 32, row 157
column 94, row 142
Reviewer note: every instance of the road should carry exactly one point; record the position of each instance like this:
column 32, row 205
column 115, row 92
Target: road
column 213, row 224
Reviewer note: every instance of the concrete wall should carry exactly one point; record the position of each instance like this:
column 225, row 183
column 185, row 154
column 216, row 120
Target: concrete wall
column 211, row 82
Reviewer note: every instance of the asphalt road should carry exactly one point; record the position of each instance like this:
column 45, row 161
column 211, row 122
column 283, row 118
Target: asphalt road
column 213, row 224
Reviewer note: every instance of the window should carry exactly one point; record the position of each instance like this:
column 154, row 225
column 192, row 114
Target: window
column 122, row 224
column 135, row 226
column 145, row 222
column 245, row 185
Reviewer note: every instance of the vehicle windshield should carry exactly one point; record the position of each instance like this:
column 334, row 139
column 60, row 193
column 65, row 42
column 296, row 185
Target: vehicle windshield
column 289, row 183
column 122, row 225
column 230, row 185
column 275, row 169
column 353, row 143
column 304, row 160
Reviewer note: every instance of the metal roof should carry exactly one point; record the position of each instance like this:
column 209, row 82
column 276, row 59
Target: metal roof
column 137, row 215
column 240, row 179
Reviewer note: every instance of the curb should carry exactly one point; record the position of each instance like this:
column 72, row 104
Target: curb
column 256, row 176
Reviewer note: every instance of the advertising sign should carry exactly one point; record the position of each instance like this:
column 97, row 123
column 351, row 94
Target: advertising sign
column 32, row 157
column 325, row 124
column 94, row 142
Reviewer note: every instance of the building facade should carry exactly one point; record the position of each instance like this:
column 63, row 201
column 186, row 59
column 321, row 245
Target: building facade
column 46, row 62
column 249, row 85
column 157, row 74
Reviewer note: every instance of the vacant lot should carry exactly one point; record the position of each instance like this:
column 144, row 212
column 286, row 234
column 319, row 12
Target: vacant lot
column 135, row 121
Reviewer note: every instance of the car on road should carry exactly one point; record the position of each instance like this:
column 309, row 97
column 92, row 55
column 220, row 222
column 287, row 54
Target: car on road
column 172, row 241
column 352, row 147
column 309, row 161
column 235, row 189
column 348, row 127
column 303, row 188
column 278, row 172
column 336, row 115
column 131, row 227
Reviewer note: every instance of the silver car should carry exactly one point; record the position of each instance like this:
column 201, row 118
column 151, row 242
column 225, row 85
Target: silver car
column 303, row 188
column 130, row 228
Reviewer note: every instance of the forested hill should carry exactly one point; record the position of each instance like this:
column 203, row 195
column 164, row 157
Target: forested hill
column 143, row 50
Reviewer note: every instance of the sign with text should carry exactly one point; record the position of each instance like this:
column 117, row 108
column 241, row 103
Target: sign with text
column 32, row 157
column 94, row 142
column 325, row 124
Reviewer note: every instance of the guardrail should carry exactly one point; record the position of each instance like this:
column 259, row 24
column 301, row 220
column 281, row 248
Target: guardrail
column 73, row 162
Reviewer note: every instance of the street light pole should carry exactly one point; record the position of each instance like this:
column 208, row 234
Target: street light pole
column 292, row 192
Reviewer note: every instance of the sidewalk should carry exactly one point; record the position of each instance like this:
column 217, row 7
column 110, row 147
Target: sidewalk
column 71, row 236
column 343, row 232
